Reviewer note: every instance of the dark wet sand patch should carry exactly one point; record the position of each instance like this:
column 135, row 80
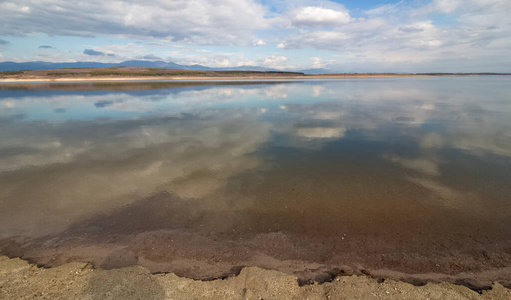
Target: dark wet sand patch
column 166, row 234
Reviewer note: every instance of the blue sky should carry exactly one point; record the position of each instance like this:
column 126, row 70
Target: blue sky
column 345, row 36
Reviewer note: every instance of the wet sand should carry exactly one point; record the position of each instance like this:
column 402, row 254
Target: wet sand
column 189, row 238
column 20, row 280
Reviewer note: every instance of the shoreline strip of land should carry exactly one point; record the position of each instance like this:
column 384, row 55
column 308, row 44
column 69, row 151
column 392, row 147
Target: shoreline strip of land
column 225, row 78
column 22, row 280
column 153, row 74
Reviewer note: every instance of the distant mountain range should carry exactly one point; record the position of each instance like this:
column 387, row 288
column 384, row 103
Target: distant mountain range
column 41, row 65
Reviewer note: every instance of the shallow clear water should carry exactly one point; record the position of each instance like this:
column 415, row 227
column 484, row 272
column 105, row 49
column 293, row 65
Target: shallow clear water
column 382, row 172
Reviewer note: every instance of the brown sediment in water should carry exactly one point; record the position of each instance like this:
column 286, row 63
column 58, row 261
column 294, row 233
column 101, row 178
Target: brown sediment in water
column 275, row 223
column 18, row 279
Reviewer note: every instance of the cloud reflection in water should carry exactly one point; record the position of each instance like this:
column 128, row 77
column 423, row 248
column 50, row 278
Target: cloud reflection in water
column 56, row 169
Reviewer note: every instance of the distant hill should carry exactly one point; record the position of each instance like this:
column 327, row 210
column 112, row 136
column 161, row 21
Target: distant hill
column 40, row 65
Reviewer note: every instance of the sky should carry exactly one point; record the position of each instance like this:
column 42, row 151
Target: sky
column 343, row 35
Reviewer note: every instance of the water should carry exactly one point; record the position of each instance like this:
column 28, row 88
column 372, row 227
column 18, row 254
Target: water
column 198, row 178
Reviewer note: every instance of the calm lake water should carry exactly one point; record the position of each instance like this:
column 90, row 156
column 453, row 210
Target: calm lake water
column 198, row 178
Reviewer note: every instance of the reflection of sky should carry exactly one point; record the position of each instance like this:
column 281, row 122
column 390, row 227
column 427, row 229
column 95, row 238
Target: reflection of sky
column 190, row 141
column 468, row 113
column 90, row 105
column 417, row 100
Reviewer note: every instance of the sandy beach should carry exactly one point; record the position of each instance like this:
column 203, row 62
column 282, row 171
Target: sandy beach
column 22, row 280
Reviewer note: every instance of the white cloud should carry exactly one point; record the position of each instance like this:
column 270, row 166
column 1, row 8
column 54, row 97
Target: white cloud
column 311, row 16
column 15, row 7
column 440, row 6
column 204, row 22
column 410, row 36
column 277, row 62
column 232, row 60
column 446, row 6
column 130, row 48
column 385, row 10
column 259, row 43
column 319, row 39
column 317, row 63
column 402, row 38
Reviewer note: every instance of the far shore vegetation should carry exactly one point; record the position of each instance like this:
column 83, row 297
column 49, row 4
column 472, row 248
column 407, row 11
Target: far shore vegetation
column 130, row 72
